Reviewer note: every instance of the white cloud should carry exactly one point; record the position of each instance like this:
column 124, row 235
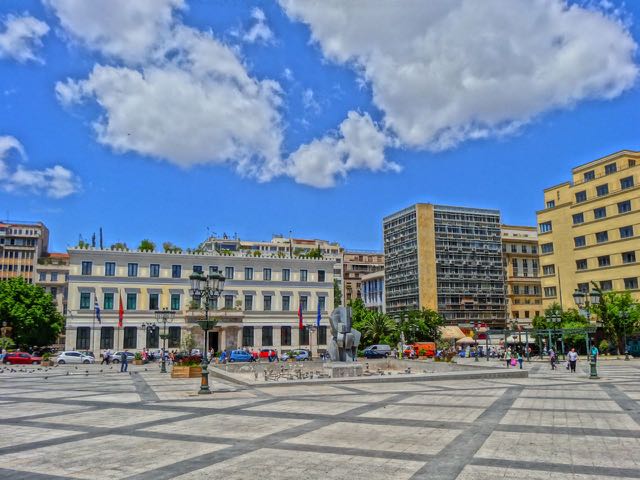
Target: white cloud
column 359, row 144
column 54, row 182
column 124, row 29
column 259, row 31
column 199, row 107
column 448, row 71
column 20, row 36
column 309, row 102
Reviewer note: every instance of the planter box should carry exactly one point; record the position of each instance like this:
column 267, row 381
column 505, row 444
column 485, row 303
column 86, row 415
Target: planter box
column 186, row 372
column 46, row 363
column 137, row 362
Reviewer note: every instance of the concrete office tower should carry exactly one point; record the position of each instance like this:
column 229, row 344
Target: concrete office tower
column 356, row 264
column 21, row 244
column 448, row 259
column 588, row 230
column 521, row 263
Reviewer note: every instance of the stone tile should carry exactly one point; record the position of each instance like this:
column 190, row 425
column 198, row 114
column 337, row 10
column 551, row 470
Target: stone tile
column 473, row 472
column 385, row 438
column 25, row 409
column 114, row 398
column 568, row 404
column 303, row 406
column 112, row 456
column 444, row 414
column 231, row 426
column 600, row 420
column 592, row 451
column 212, row 403
column 289, row 391
column 278, row 464
column 110, row 417
column 391, row 387
column 357, row 398
column 467, row 400
column 595, row 393
column 18, row 435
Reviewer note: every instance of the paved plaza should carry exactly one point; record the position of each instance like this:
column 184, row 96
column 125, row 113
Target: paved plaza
column 96, row 423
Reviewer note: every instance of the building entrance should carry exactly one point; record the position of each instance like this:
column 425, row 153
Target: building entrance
column 214, row 341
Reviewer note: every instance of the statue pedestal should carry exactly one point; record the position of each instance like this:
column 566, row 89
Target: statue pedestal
column 343, row 369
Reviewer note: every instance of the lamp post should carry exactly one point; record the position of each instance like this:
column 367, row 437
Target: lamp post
column 476, row 329
column 207, row 288
column 164, row 316
column 149, row 327
column 311, row 328
column 594, row 298
column 555, row 319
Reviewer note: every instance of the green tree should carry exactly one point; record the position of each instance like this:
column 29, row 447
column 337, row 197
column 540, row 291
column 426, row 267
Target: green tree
column 314, row 253
column 337, row 294
column 169, row 247
column 620, row 316
column 376, row 327
column 6, row 343
column 147, row 245
column 429, row 323
column 189, row 343
column 119, row 246
column 30, row 312
column 82, row 244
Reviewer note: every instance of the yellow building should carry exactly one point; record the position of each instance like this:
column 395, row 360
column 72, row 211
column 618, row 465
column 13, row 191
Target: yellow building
column 589, row 230
column 521, row 263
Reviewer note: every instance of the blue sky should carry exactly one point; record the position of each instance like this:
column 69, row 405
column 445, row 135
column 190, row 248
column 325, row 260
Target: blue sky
column 264, row 117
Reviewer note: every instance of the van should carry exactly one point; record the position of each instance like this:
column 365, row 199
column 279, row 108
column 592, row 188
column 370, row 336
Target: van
column 426, row 348
column 377, row 351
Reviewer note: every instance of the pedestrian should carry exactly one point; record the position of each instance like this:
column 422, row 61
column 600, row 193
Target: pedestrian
column 573, row 360
column 105, row 358
column 552, row 358
column 520, row 359
column 124, row 362
column 507, row 357
column 595, row 352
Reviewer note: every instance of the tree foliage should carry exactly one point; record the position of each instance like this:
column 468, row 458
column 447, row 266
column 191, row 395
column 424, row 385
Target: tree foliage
column 169, row 247
column 337, row 294
column 620, row 316
column 119, row 246
column 30, row 312
column 147, row 245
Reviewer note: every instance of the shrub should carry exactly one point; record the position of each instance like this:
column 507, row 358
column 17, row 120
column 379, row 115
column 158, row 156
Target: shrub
column 604, row 347
column 46, row 356
column 190, row 361
column 137, row 356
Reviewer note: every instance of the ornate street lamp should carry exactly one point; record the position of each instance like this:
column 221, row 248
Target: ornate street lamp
column 164, row 316
column 207, row 288
column 583, row 303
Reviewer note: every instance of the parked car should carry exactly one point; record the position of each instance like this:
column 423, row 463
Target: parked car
column 21, row 358
column 240, row 356
column 88, row 353
column 377, row 351
column 115, row 357
column 73, row 357
column 267, row 353
column 299, row 355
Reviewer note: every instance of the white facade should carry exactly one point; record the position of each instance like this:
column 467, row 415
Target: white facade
column 258, row 307
column 373, row 291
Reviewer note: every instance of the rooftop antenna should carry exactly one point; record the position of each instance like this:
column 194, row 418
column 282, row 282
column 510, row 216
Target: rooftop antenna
column 101, row 246
column 93, row 240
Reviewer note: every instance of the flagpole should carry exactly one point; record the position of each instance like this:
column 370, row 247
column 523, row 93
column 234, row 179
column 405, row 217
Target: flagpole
column 93, row 327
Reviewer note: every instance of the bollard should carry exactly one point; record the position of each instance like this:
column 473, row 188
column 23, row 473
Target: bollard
column 594, row 371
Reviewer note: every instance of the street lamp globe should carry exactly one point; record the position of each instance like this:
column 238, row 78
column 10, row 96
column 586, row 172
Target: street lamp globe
column 579, row 297
column 594, row 297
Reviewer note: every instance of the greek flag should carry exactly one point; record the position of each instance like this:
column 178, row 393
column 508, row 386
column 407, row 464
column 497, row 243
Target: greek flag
column 97, row 310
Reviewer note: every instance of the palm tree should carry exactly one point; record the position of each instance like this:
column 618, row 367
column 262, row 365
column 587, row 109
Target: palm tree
column 377, row 325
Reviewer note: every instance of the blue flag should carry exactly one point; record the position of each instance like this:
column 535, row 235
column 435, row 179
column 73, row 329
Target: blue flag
column 97, row 307
column 319, row 315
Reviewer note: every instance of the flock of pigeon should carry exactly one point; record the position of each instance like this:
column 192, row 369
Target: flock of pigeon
column 47, row 369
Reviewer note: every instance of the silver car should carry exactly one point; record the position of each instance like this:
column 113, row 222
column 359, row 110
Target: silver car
column 73, row 357
column 117, row 357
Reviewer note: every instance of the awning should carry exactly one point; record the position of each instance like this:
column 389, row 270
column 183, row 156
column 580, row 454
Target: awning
column 451, row 333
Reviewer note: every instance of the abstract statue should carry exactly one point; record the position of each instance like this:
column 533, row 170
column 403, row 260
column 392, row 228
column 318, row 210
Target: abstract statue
column 343, row 346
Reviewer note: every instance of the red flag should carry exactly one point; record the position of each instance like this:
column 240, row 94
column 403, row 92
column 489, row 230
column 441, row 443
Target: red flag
column 300, row 324
column 120, row 312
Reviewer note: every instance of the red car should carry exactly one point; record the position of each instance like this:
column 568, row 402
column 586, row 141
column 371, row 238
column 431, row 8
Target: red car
column 267, row 352
column 21, row 358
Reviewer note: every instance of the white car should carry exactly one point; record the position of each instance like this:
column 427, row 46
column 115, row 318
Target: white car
column 74, row 357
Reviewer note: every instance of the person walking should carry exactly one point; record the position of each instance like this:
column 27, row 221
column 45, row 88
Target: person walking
column 105, row 357
column 507, row 357
column 595, row 352
column 520, row 359
column 124, row 362
column 573, row 360
column 552, row 358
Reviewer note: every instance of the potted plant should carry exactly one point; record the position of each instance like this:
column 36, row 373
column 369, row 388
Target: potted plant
column 422, row 353
column 187, row 367
column 46, row 360
column 137, row 359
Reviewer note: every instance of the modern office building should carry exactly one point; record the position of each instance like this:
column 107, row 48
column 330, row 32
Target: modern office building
column 355, row 264
column 21, row 244
column 448, row 259
column 280, row 246
column 589, row 230
column 258, row 308
column 521, row 264
column 373, row 291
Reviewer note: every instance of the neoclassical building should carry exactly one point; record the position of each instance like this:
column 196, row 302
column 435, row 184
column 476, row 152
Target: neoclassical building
column 258, row 307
